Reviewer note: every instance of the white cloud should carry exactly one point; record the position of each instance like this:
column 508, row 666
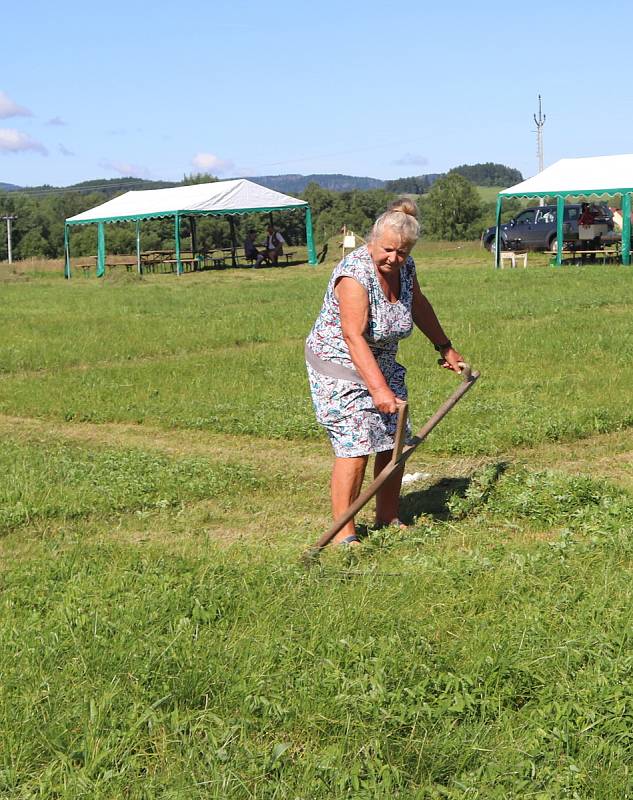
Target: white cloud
column 64, row 150
column 8, row 108
column 56, row 121
column 125, row 168
column 210, row 163
column 13, row 141
column 412, row 158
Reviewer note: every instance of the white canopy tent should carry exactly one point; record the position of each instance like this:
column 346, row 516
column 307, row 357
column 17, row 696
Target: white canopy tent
column 222, row 198
column 596, row 176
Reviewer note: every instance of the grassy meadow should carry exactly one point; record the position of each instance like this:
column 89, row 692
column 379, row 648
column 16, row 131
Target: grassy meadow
column 162, row 475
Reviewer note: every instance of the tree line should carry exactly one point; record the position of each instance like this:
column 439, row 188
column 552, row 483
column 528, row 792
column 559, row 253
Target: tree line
column 450, row 208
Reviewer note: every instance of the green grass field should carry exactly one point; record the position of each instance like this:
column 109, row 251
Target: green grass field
column 162, row 475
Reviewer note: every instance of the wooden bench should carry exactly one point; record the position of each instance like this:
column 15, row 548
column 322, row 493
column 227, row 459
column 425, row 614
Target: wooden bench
column 127, row 264
column 288, row 257
column 194, row 263
column 512, row 256
column 580, row 257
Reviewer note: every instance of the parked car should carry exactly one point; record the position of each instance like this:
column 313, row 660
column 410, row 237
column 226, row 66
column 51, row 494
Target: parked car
column 536, row 229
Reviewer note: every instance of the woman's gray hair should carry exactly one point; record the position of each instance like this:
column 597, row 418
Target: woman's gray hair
column 400, row 217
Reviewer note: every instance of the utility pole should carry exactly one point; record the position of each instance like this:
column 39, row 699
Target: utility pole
column 9, row 219
column 540, row 121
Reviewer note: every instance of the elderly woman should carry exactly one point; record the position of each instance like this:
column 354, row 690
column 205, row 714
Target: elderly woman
column 372, row 301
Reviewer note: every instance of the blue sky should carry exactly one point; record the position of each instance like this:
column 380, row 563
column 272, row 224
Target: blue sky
column 159, row 90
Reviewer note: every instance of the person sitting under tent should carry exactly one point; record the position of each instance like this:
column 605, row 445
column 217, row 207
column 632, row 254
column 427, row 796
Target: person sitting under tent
column 251, row 252
column 274, row 245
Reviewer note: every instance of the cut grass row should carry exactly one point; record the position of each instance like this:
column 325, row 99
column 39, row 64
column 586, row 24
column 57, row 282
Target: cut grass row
column 226, row 354
column 476, row 657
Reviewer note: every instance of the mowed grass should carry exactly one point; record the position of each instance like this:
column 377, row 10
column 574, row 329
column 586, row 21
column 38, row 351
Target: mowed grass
column 159, row 636
column 457, row 660
column 223, row 352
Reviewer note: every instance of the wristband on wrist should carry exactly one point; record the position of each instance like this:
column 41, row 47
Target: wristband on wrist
column 444, row 346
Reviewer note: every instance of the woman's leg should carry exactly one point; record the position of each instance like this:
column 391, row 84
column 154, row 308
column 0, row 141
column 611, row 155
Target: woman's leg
column 388, row 496
column 347, row 479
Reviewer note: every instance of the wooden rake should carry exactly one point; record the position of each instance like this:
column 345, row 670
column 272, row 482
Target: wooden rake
column 400, row 454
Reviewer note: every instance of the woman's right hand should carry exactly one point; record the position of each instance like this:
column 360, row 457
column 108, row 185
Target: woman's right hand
column 385, row 400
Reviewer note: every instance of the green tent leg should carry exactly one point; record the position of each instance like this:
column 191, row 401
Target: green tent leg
column 626, row 229
column 560, row 218
column 177, row 239
column 139, row 268
column 497, row 237
column 66, row 252
column 312, row 256
column 100, row 250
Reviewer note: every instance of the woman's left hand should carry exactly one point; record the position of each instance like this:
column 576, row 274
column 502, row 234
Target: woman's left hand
column 452, row 359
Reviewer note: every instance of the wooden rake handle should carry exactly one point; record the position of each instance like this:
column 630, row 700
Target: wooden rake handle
column 400, row 455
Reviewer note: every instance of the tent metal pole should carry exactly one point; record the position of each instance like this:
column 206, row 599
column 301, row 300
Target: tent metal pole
column 100, row 249
column 177, row 241
column 626, row 229
column 497, row 237
column 312, row 256
column 66, row 251
column 138, row 247
column 560, row 218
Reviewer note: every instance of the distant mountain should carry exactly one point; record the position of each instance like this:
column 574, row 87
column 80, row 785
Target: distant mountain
column 296, row 184
column 481, row 174
column 110, row 185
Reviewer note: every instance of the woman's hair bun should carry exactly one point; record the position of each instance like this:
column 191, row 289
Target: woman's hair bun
column 405, row 205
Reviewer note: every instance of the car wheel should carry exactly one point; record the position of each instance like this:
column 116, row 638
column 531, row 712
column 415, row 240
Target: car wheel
column 490, row 244
column 553, row 244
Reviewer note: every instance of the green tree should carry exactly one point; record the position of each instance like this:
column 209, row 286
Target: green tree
column 489, row 174
column 33, row 245
column 198, row 177
column 452, row 209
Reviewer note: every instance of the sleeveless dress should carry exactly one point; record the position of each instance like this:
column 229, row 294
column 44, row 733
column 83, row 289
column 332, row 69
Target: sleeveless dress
column 344, row 406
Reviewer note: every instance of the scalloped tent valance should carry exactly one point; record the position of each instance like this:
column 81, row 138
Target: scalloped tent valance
column 586, row 177
column 610, row 175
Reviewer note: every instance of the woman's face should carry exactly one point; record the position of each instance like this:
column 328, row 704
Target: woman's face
column 388, row 251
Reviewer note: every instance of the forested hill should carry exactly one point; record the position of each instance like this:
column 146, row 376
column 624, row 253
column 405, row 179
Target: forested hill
column 488, row 174
column 296, row 184
column 287, row 184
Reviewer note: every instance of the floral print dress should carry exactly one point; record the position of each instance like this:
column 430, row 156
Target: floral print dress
column 345, row 407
